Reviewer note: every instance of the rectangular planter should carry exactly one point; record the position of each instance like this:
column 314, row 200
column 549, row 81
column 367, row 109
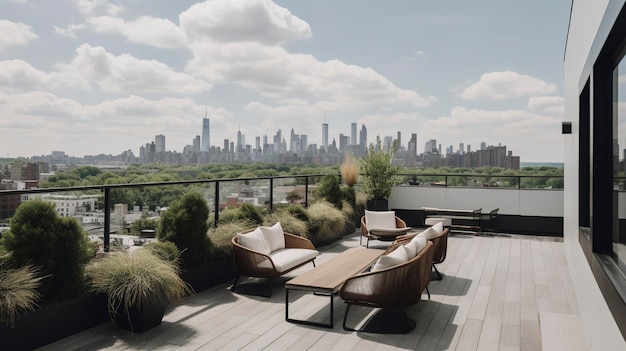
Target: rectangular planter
column 51, row 323
column 210, row 274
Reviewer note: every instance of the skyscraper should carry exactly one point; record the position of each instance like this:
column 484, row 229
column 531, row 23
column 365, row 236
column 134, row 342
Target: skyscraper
column 159, row 142
column 413, row 144
column 353, row 134
column 206, row 134
column 325, row 135
column 363, row 140
column 399, row 146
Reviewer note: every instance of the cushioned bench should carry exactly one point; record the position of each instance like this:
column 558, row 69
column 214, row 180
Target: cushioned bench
column 268, row 252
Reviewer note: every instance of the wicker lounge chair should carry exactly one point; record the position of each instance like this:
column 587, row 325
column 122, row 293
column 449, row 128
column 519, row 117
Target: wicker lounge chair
column 387, row 233
column 396, row 287
column 297, row 252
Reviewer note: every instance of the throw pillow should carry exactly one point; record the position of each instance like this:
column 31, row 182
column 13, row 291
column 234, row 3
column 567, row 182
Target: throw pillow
column 275, row 236
column 438, row 227
column 395, row 257
column 380, row 219
column 255, row 241
column 417, row 244
column 430, row 233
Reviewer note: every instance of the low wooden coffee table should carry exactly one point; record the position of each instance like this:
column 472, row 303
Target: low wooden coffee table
column 328, row 277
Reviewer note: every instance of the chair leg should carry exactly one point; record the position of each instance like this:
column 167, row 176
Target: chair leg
column 428, row 291
column 345, row 319
column 232, row 288
column 436, row 274
column 361, row 240
column 367, row 244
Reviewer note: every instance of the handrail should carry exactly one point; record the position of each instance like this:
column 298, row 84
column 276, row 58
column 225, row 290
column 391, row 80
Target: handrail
column 106, row 188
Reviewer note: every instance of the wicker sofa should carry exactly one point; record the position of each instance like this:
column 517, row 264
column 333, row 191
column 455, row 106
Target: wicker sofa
column 268, row 252
column 440, row 246
column 395, row 287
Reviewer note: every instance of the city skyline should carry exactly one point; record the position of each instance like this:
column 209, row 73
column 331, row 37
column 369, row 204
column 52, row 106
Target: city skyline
column 115, row 71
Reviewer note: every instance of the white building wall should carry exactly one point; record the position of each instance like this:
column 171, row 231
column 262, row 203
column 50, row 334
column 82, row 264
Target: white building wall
column 546, row 203
column 601, row 331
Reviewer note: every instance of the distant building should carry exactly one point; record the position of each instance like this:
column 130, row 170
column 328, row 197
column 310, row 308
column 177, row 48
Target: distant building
column 206, row 134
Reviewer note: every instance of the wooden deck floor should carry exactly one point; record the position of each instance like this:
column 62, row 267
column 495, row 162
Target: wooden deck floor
column 498, row 293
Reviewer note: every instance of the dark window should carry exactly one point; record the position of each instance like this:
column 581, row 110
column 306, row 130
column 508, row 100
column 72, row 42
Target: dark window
column 584, row 158
column 606, row 177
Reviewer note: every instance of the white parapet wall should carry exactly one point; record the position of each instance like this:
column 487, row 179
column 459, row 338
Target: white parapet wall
column 531, row 202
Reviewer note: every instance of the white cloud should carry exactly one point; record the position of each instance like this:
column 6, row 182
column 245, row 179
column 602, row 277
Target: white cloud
column 522, row 131
column 92, row 7
column 128, row 74
column 230, row 21
column 17, row 75
column 506, row 85
column 554, row 105
column 70, row 30
column 127, row 122
column 277, row 74
column 15, row 33
column 146, row 30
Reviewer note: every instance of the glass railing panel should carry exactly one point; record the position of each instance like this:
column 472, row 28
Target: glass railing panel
column 545, row 183
column 424, row 180
column 289, row 191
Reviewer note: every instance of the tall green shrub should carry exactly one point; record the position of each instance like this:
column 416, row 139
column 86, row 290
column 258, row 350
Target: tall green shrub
column 329, row 190
column 58, row 246
column 185, row 224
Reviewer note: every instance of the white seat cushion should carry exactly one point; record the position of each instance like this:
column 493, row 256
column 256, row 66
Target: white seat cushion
column 286, row 259
column 395, row 257
column 255, row 241
column 380, row 219
column 274, row 236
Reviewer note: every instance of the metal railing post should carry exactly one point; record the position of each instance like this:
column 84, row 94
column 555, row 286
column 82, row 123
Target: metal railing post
column 306, row 192
column 217, row 202
column 272, row 194
column 107, row 220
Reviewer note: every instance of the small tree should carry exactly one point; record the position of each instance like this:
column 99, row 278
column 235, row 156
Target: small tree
column 380, row 175
column 185, row 224
column 59, row 246
column 330, row 191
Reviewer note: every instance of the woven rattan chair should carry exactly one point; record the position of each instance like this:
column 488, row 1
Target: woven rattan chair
column 380, row 234
column 440, row 249
column 254, row 264
column 396, row 287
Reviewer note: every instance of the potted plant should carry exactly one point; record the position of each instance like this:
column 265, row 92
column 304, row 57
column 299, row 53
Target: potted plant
column 138, row 285
column 380, row 175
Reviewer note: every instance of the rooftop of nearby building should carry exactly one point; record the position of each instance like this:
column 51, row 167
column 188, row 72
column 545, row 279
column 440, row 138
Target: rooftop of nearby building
column 503, row 292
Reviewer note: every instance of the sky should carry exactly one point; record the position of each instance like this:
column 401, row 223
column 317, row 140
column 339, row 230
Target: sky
column 92, row 77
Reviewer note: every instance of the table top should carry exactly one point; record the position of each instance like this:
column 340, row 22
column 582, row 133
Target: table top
column 330, row 275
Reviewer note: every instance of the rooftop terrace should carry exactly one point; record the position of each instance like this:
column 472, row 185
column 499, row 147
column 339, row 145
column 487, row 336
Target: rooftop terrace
column 504, row 292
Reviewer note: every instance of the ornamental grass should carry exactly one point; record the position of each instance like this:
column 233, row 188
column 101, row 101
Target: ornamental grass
column 350, row 171
column 290, row 223
column 327, row 223
column 18, row 291
column 131, row 279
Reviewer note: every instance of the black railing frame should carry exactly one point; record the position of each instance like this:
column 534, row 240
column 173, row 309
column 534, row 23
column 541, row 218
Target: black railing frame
column 106, row 188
